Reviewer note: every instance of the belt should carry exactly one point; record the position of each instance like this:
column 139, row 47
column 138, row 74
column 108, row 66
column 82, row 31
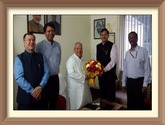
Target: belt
column 54, row 76
column 136, row 78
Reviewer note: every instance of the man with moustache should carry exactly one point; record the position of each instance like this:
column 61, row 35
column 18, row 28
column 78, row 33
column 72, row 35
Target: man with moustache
column 107, row 54
column 34, row 24
column 136, row 73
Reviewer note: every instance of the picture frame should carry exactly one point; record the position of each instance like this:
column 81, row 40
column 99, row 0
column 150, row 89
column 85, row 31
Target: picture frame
column 35, row 23
column 56, row 21
column 112, row 37
column 99, row 24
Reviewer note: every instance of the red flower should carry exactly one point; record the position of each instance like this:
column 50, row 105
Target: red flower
column 93, row 68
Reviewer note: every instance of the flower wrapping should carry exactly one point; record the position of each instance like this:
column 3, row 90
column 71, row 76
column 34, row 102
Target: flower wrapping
column 93, row 68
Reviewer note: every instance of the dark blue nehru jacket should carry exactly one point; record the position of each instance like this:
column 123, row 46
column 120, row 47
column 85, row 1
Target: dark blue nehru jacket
column 103, row 56
column 33, row 72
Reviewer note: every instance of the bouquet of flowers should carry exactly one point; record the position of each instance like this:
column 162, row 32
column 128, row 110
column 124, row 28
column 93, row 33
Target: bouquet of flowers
column 93, row 68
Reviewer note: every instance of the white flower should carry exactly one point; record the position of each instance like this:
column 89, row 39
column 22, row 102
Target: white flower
column 87, row 65
column 92, row 61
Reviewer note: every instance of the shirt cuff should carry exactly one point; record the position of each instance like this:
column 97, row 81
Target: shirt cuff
column 145, row 84
column 124, row 84
column 31, row 91
column 41, row 86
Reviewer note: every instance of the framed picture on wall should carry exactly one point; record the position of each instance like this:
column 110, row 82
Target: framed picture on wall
column 56, row 21
column 112, row 37
column 35, row 23
column 99, row 24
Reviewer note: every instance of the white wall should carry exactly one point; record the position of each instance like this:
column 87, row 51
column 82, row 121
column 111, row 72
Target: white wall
column 113, row 21
column 74, row 28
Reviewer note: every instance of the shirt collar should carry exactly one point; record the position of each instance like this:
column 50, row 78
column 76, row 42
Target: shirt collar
column 135, row 49
column 105, row 43
column 50, row 43
column 29, row 53
column 78, row 57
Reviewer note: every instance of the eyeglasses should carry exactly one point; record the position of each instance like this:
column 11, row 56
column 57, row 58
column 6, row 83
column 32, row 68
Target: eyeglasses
column 30, row 40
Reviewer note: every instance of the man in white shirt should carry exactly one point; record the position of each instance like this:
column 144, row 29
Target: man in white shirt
column 78, row 89
column 136, row 73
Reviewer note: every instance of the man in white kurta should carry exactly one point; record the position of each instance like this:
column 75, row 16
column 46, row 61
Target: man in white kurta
column 78, row 89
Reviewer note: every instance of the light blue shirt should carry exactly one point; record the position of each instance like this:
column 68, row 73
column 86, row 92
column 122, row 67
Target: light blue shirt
column 136, row 64
column 22, row 82
column 52, row 52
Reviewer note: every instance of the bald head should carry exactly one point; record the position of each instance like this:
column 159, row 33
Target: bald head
column 77, row 44
column 78, row 49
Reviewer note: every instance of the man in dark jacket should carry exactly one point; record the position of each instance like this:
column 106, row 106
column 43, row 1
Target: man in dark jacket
column 31, row 74
column 107, row 55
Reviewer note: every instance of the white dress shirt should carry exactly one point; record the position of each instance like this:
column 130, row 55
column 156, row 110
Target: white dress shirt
column 136, row 64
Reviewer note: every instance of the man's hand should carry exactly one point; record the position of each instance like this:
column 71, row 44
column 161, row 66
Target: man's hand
column 38, row 98
column 87, row 77
column 144, row 90
column 123, row 88
column 37, row 92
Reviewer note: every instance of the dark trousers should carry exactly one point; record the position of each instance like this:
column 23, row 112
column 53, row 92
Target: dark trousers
column 135, row 98
column 107, row 85
column 50, row 93
column 35, row 106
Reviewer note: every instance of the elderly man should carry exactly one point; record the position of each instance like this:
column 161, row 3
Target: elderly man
column 79, row 92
